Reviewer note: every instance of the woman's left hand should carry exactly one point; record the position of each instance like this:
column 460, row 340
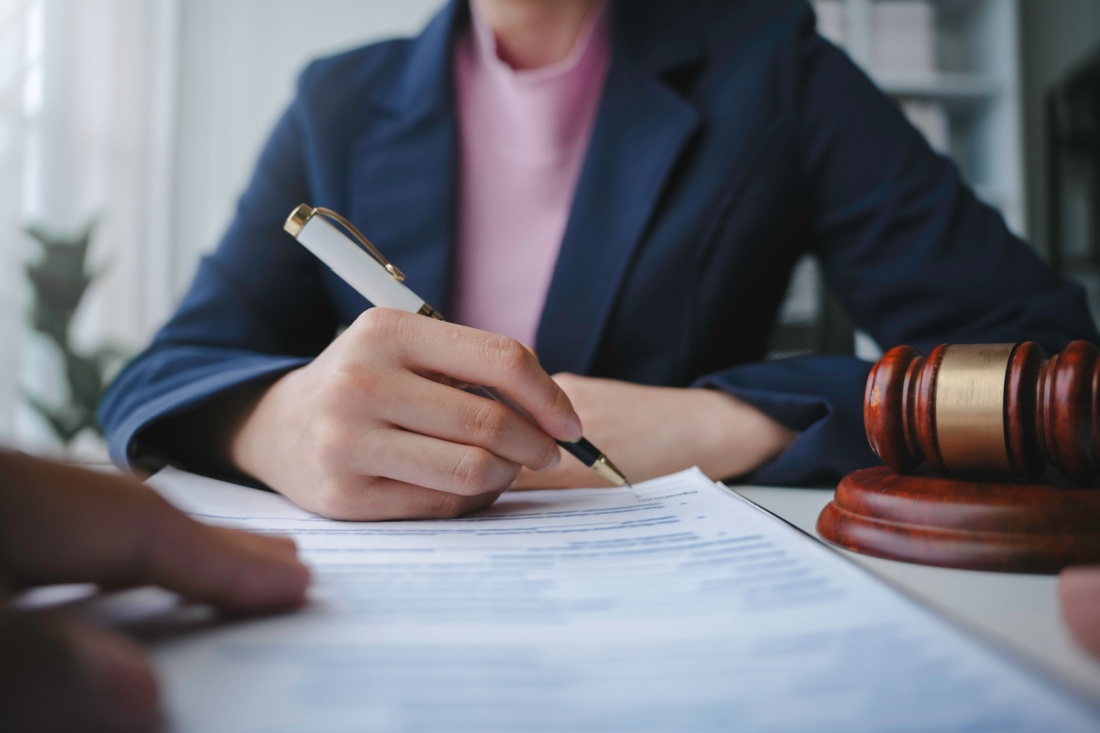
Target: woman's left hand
column 653, row 431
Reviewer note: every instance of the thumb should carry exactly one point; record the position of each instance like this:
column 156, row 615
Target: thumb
column 60, row 673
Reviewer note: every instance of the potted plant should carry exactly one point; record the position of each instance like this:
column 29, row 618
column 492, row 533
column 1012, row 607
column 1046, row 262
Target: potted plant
column 60, row 278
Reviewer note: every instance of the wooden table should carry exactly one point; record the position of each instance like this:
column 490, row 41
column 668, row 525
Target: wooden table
column 1019, row 613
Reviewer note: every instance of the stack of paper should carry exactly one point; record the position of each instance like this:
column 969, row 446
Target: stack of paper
column 676, row 607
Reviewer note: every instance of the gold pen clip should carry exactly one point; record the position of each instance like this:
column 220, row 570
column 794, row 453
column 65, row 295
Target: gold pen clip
column 301, row 215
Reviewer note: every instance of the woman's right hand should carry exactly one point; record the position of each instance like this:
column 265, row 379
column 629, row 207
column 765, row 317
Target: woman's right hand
column 375, row 429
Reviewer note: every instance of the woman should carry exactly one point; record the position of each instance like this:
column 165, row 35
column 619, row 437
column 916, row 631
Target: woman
column 622, row 187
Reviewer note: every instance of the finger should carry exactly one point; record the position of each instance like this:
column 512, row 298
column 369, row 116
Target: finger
column 461, row 417
column 435, row 464
column 228, row 568
column 280, row 545
column 63, row 674
column 283, row 543
column 62, row 524
column 386, row 499
column 284, row 546
column 1079, row 591
column 476, row 357
column 570, row 474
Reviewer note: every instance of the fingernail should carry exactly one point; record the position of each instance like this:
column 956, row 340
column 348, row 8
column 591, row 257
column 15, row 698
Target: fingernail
column 286, row 584
column 573, row 429
column 122, row 679
column 555, row 459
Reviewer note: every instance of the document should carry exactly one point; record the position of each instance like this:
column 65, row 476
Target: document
column 676, row 606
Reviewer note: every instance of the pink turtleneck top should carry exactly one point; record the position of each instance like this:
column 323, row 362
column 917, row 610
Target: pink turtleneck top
column 523, row 137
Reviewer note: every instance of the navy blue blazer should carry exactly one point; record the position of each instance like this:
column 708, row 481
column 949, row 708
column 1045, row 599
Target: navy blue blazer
column 730, row 140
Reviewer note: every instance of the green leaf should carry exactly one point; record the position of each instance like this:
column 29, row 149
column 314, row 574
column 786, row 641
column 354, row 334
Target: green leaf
column 60, row 279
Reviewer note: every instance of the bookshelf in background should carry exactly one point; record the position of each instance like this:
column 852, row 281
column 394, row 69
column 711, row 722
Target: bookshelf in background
column 953, row 67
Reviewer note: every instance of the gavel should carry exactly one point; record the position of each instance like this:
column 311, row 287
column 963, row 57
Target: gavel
column 988, row 410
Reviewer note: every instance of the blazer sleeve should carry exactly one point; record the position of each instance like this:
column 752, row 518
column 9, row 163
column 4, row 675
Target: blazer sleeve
column 256, row 308
column 906, row 247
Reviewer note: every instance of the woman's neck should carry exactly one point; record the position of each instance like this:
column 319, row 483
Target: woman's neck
column 535, row 33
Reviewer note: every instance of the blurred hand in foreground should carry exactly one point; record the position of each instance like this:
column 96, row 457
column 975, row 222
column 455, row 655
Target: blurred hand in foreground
column 1079, row 591
column 58, row 524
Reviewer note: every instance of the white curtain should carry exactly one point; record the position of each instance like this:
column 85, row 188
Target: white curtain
column 87, row 94
column 137, row 112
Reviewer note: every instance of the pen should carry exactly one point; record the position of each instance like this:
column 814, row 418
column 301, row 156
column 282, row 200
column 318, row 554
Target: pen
column 363, row 267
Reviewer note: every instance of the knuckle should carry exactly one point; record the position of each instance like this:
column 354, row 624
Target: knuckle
column 409, row 328
column 334, row 444
column 489, row 424
column 368, row 382
column 333, row 382
column 342, row 380
column 471, row 472
column 509, row 355
column 376, row 323
column 351, row 376
column 549, row 453
column 332, row 501
column 372, row 445
column 447, row 506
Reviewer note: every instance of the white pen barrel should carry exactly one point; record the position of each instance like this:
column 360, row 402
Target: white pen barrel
column 356, row 267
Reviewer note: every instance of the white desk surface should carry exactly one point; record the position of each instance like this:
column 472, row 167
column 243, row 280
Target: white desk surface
column 1020, row 613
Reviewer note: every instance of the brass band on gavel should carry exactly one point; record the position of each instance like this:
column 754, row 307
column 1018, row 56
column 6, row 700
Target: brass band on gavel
column 969, row 409
column 987, row 410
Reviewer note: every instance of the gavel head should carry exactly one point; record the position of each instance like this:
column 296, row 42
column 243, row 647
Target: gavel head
column 992, row 410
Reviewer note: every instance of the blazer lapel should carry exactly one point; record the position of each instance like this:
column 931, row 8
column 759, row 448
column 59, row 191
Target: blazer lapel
column 404, row 170
column 403, row 167
column 641, row 129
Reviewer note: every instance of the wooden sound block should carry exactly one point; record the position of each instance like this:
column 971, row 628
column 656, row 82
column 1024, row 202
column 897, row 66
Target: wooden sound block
column 955, row 523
